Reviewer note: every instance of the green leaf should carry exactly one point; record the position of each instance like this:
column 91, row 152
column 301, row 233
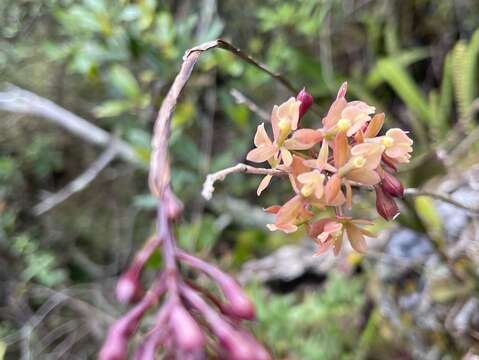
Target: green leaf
column 111, row 108
column 3, row 350
column 428, row 214
column 441, row 105
column 464, row 69
column 183, row 115
column 397, row 77
column 405, row 58
column 124, row 81
column 145, row 201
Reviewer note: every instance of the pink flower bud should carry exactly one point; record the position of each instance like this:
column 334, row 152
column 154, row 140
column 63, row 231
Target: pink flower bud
column 128, row 289
column 238, row 303
column 260, row 353
column 114, row 348
column 306, row 101
column 187, row 333
column 391, row 185
column 385, row 204
column 236, row 346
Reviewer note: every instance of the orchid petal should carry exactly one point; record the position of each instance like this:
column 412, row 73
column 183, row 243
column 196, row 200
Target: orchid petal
column 340, row 149
column 356, row 238
column 288, row 212
column 261, row 137
column 262, row 153
column 264, row 184
column 399, row 136
column 374, row 126
column 364, row 176
column 303, row 139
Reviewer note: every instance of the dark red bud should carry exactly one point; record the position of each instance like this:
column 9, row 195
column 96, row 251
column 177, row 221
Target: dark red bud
column 391, row 185
column 389, row 162
column 385, row 204
column 306, row 101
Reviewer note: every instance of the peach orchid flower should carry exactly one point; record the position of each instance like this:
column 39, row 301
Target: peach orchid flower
column 329, row 233
column 397, row 144
column 284, row 120
column 346, row 116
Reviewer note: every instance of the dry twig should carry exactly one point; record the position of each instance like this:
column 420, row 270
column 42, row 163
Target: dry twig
column 80, row 183
column 241, row 99
column 208, row 185
column 441, row 197
column 16, row 100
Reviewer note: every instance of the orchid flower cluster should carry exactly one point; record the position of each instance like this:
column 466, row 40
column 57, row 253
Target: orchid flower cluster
column 192, row 322
column 325, row 164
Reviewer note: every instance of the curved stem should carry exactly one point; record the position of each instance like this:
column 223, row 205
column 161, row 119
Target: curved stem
column 441, row 197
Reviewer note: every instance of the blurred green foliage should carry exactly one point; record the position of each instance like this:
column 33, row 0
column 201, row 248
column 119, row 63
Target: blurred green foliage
column 320, row 325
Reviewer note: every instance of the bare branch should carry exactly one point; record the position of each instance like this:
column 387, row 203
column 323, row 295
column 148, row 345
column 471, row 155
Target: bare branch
column 80, row 183
column 159, row 176
column 441, row 197
column 16, row 100
column 241, row 99
column 208, row 185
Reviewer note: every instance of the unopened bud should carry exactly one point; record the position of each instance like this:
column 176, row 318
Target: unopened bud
column 389, row 162
column 260, row 353
column 128, row 288
column 385, row 204
column 238, row 303
column 392, row 186
column 188, row 335
column 306, row 101
column 237, row 346
column 114, row 348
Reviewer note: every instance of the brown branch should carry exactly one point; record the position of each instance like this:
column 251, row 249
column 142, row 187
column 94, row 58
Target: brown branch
column 208, row 185
column 441, row 197
column 222, row 44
